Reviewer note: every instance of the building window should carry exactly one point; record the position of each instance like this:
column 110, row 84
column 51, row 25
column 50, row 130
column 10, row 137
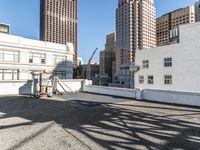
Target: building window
column 145, row 64
column 9, row 74
column 9, row 56
column 150, row 79
column 60, row 74
column 168, row 79
column 141, row 79
column 60, row 60
column 168, row 62
column 37, row 58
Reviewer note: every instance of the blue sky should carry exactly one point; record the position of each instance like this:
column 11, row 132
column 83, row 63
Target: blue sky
column 96, row 19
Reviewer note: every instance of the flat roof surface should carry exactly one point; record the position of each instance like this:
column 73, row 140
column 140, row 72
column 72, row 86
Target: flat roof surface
column 88, row 121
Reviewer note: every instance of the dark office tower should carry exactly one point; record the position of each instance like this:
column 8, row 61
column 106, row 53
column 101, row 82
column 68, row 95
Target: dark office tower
column 58, row 22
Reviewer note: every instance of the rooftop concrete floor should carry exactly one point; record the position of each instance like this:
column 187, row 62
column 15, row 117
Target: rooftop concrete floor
column 88, row 121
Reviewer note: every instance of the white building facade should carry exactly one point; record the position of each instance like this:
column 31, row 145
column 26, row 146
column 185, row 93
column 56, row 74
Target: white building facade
column 19, row 57
column 174, row 67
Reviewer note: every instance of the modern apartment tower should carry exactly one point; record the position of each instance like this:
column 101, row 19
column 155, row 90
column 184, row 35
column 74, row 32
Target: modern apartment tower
column 197, row 11
column 107, row 57
column 135, row 30
column 172, row 20
column 58, row 22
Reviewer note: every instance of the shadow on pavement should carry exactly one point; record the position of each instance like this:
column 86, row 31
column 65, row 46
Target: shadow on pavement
column 110, row 125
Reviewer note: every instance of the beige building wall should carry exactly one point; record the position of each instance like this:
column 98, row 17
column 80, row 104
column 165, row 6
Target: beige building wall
column 172, row 20
column 107, row 57
column 58, row 22
column 102, row 62
column 147, row 24
column 106, row 62
column 163, row 27
column 183, row 16
column 110, row 42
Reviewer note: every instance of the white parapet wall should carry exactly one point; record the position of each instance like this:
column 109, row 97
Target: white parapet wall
column 163, row 96
column 15, row 87
column 166, row 96
column 121, row 92
column 73, row 85
column 22, row 87
column 175, row 97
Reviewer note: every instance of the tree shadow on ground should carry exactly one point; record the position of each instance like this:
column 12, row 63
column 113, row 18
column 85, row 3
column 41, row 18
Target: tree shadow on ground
column 111, row 125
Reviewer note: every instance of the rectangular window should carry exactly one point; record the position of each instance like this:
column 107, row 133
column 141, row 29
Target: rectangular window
column 168, row 62
column 60, row 60
column 37, row 58
column 60, row 74
column 9, row 74
column 1, row 74
column 168, row 79
column 150, row 79
column 9, row 56
column 141, row 79
column 1, row 56
column 145, row 64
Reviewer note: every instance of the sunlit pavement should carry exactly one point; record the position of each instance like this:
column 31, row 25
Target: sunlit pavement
column 89, row 121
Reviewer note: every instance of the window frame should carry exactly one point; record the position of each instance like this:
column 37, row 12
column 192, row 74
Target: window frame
column 168, row 81
column 62, row 73
column 141, row 79
column 168, row 62
column 15, row 54
column 150, row 79
column 42, row 57
column 63, row 60
column 145, row 64
column 13, row 72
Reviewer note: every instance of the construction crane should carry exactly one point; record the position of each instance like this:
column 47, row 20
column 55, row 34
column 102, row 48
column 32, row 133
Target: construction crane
column 88, row 69
column 92, row 56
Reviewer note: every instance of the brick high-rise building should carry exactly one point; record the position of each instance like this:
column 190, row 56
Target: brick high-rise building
column 171, row 21
column 135, row 30
column 58, row 22
column 107, row 57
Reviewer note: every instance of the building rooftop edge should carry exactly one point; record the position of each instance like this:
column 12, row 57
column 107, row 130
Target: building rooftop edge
column 173, row 11
column 15, row 39
column 2, row 23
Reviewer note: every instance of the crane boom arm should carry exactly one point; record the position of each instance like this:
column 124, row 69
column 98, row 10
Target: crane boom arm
column 92, row 56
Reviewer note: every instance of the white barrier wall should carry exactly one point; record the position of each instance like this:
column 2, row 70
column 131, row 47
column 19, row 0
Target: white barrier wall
column 72, row 85
column 175, row 97
column 15, row 87
column 26, row 87
column 122, row 92
column 166, row 96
